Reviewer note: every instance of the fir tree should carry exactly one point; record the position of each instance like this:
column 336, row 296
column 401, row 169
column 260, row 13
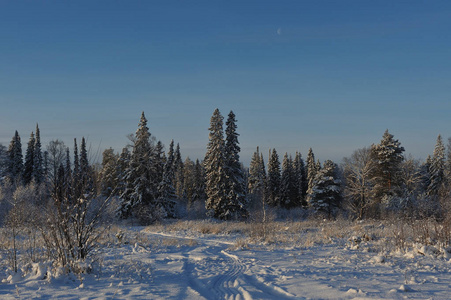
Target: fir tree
column 29, row 163
column 38, row 170
column 437, row 170
column 166, row 188
column 15, row 168
column 178, row 173
column 326, row 192
column 215, row 176
column 76, row 172
column 108, row 175
column 300, row 178
column 273, row 179
column 199, row 182
column 387, row 158
column 122, row 167
column 236, row 196
column 140, row 188
column 189, row 181
column 288, row 195
column 257, row 177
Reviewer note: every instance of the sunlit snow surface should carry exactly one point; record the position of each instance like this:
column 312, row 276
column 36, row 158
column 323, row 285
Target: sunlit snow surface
column 211, row 267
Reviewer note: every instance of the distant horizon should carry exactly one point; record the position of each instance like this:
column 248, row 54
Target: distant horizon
column 327, row 75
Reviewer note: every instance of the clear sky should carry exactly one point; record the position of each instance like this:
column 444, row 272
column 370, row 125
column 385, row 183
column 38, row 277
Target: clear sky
column 331, row 75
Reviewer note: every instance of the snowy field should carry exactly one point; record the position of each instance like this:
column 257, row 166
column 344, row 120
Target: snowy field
column 204, row 260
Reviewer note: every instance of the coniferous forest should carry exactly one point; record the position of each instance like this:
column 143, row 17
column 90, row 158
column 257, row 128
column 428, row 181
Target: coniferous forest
column 149, row 181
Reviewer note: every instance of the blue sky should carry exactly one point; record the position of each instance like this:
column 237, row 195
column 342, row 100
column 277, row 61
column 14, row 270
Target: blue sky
column 331, row 75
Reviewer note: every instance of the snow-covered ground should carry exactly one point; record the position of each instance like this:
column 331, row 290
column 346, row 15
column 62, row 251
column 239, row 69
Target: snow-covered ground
column 154, row 263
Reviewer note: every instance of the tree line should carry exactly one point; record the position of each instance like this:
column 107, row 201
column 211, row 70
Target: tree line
column 151, row 183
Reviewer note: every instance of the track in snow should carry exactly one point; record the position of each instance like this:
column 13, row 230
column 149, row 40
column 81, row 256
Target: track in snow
column 221, row 275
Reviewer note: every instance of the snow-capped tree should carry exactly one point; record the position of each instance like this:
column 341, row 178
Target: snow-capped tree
column 141, row 190
column 387, row 157
column 29, row 161
column 257, row 177
column 288, row 190
column 166, row 188
column 215, row 175
column 189, row 170
column 108, row 174
column 311, row 169
column 236, row 190
column 437, row 170
column 273, row 180
column 326, row 191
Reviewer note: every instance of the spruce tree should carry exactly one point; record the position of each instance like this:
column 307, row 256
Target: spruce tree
column 236, row 190
column 437, row 170
column 166, row 188
column 257, row 177
column 215, row 175
column 122, row 167
column 189, row 170
column 15, row 168
column 273, row 179
column 300, row 178
column 178, row 173
column 108, row 174
column 140, row 191
column 387, row 157
column 288, row 192
column 29, row 163
column 38, row 170
column 325, row 195
column 76, row 171
column 199, row 182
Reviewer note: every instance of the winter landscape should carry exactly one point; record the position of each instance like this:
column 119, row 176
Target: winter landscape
column 225, row 149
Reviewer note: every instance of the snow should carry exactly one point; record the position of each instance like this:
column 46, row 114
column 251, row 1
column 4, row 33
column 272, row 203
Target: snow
column 155, row 263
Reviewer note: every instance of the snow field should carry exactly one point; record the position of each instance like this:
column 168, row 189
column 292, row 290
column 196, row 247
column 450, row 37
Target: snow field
column 227, row 260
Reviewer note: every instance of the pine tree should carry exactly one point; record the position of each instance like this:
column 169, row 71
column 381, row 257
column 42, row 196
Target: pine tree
column 38, row 170
column 15, row 168
column 215, row 176
column 29, row 163
column 236, row 196
column 300, row 178
column 288, row 197
column 387, row 158
column 326, row 191
column 273, row 179
column 437, row 170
